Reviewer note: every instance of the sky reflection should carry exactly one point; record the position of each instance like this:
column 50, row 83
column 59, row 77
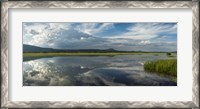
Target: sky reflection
column 120, row 70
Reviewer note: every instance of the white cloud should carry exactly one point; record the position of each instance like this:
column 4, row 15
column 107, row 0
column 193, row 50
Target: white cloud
column 144, row 31
column 41, row 33
column 92, row 28
column 51, row 34
column 82, row 38
column 144, row 42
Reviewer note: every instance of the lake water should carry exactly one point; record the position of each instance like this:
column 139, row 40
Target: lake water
column 119, row 70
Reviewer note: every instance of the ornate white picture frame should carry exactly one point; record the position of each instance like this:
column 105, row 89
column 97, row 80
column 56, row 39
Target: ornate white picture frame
column 6, row 5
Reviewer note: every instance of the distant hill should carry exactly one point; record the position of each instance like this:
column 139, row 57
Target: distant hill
column 30, row 48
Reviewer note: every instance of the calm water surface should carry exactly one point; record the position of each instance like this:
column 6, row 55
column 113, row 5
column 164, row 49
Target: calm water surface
column 120, row 70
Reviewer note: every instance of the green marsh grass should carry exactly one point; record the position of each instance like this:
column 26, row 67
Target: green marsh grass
column 162, row 67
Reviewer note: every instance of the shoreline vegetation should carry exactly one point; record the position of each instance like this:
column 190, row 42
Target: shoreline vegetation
column 41, row 54
column 163, row 67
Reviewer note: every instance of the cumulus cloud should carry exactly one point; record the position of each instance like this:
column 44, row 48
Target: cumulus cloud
column 41, row 33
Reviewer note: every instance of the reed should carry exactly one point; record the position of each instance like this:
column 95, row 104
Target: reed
column 163, row 67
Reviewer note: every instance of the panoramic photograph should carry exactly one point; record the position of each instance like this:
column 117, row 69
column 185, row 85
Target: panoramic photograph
column 99, row 54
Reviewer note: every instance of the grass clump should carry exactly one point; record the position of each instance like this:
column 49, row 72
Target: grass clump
column 169, row 54
column 163, row 67
column 156, row 54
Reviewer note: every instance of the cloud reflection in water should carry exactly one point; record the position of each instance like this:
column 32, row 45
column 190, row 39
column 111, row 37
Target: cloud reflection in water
column 91, row 71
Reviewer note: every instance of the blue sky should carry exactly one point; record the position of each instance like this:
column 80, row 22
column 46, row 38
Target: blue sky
column 147, row 36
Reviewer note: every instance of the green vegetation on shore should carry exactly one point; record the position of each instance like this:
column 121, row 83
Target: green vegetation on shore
column 80, row 54
column 162, row 67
